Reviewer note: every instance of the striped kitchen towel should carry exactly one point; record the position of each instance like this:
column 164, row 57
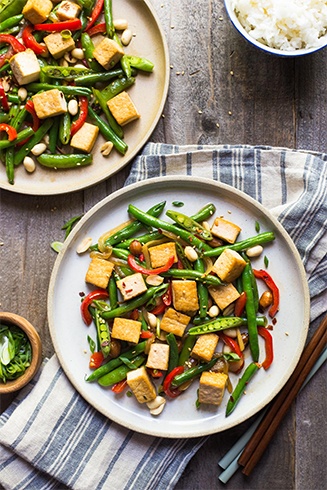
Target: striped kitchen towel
column 52, row 439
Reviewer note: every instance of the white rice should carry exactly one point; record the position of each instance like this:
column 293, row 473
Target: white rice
column 284, row 24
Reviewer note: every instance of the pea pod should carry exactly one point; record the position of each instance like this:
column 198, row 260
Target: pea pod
column 10, row 165
column 192, row 373
column 92, row 78
column 173, row 352
column 65, row 89
column 64, row 72
column 36, row 138
column 188, row 344
column 195, row 275
column 189, row 224
column 10, row 22
column 11, row 8
column 140, row 63
column 260, row 239
column 240, row 387
column 64, row 128
column 108, row 132
column 224, row 322
column 88, row 47
column 107, row 6
column 65, row 161
column 203, row 293
column 103, row 333
column 120, row 372
column 251, row 312
column 21, row 136
column 116, row 87
column 204, row 213
column 111, row 120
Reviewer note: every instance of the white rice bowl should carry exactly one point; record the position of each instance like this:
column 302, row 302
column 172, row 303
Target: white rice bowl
column 286, row 25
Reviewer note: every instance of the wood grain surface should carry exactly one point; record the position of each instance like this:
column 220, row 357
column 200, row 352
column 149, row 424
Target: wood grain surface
column 222, row 90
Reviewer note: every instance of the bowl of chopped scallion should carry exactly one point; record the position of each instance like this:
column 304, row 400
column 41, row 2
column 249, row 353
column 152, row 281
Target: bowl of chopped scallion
column 20, row 352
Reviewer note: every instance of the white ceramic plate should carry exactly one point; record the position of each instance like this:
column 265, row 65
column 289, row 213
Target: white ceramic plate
column 148, row 93
column 180, row 418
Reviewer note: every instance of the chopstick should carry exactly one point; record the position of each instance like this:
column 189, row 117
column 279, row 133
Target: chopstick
column 279, row 407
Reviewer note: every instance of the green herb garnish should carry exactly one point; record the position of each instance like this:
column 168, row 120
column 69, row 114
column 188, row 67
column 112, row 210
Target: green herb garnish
column 15, row 353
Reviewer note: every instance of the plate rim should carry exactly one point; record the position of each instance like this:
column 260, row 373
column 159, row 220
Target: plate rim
column 183, row 179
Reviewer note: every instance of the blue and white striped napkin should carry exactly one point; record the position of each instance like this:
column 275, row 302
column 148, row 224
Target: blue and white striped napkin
column 52, row 439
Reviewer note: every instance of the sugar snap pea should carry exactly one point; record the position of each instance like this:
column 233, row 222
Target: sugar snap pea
column 92, row 78
column 64, row 128
column 65, row 72
column 21, row 136
column 111, row 120
column 120, row 372
column 251, row 312
column 240, row 387
column 34, row 140
column 173, row 352
column 108, row 17
column 65, row 161
column 140, row 63
column 10, row 22
column 11, row 8
column 203, row 293
column 192, row 373
column 65, row 89
column 185, row 353
column 193, row 274
column 88, row 48
column 189, row 224
column 116, row 87
column 108, row 132
column 223, row 323
column 260, row 239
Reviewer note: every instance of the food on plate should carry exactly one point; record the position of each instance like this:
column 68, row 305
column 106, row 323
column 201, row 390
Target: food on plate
column 296, row 24
column 65, row 72
column 15, row 352
column 178, row 317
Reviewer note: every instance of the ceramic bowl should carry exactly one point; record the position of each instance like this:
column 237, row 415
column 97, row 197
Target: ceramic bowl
column 16, row 384
column 278, row 52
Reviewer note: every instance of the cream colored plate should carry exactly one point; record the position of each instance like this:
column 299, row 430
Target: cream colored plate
column 148, row 93
column 180, row 417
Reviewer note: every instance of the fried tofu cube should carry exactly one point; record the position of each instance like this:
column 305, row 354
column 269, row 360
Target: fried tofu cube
column 108, row 53
column 212, row 387
column 99, row 272
column 158, row 357
column 225, row 230
column 160, row 254
column 205, row 346
column 58, row 45
column 141, row 385
column 49, row 103
column 131, row 286
column 128, row 330
column 229, row 265
column 68, row 10
column 174, row 322
column 223, row 295
column 185, row 296
column 85, row 137
column 123, row 109
column 25, row 67
column 37, row 11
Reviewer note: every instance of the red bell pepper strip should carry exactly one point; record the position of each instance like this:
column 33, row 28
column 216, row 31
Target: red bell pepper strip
column 240, row 304
column 266, row 335
column 172, row 392
column 31, row 42
column 96, row 360
column 97, row 9
column 146, row 334
column 83, row 111
column 87, row 301
column 159, row 308
column 155, row 373
column 119, row 387
column 14, row 43
column 232, row 343
column 261, row 274
column 97, row 29
column 167, row 296
column 4, row 99
column 70, row 25
column 29, row 106
column 138, row 268
column 12, row 133
column 6, row 56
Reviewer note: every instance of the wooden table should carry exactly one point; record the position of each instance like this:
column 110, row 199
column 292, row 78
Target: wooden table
column 222, row 91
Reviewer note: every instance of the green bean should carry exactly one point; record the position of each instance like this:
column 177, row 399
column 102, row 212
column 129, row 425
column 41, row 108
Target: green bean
column 114, row 363
column 88, row 47
column 21, row 136
column 11, row 8
column 120, row 373
column 173, row 352
column 240, row 387
column 73, row 160
column 185, row 353
column 87, row 5
column 65, row 72
column 35, row 139
column 92, row 78
column 134, row 303
column 11, row 22
column 65, row 89
column 140, row 63
column 108, row 133
column 192, row 274
column 110, row 29
column 160, row 224
column 222, row 323
column 64, row 128
column 10, row 165
column 111, row 120
column 194, row 372
column 266, row 237
column 189, row 224
column 116, row 87
column 148, row 237
column 4, row 117
column 120, row 253
column 113, row 292
column 203, row 293
column 250, row 313
column 53, row 135
column 124, row 63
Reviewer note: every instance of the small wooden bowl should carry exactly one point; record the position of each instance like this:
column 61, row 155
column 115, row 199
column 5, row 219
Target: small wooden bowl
column 16, row 384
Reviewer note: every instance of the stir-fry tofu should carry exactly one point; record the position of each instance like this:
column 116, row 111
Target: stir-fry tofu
column 37, row 11
column 49, row 103
column 25, row 67
column 225, row 230
column 205, row 346
column 158, row 356
column 174, row 322
column 139, row 382
column 125, row 329
column 99, row 272
column 58, row 45
column 229, row 265
column 224, row 295
column 212, row 387
column 85, row 137
column 131, row 286
column 160, row 254
column 68, row 10
column 185, row 296
column 108, row 53
column 123, row 109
